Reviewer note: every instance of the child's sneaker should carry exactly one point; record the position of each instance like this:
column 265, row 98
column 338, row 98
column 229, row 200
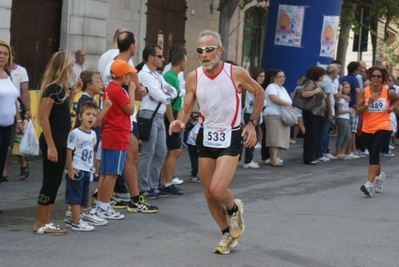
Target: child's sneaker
column 82, row 227
column 91, row 218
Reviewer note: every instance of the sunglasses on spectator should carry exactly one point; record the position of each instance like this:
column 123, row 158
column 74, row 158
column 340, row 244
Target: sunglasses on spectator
column 158, row 56
column 207, row 49
column 376, row 76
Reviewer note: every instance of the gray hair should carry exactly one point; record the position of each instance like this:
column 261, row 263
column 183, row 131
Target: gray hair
column 215, row 35
column 331, row 69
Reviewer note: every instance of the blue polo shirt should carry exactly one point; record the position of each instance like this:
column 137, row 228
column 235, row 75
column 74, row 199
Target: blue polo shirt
column 354, row 83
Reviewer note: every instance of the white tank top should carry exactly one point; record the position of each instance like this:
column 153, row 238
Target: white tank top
column 219, row 101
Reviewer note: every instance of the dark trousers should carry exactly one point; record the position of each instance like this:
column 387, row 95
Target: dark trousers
column 192, row 152
column 120, row 185
column 313, row 130
column 249, row 151
column 5, row 137
column 53, row 173
column 374, row 143
column 264, row 152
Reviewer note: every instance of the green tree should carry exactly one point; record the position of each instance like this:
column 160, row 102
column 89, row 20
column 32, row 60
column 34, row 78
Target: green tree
column 387, row 10
column 227, row 9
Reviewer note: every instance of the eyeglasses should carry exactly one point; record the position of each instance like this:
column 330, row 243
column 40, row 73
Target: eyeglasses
column 207, row 49
column 376, row 76
column 158, row 56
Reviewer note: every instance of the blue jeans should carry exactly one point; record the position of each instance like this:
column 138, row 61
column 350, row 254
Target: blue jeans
column 326, row 137
column 249, row 151
column 152, row 154
column 320, row 136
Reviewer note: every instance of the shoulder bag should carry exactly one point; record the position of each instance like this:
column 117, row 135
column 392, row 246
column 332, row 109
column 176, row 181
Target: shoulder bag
column 145, row 125
column 288, row 115
column 305, row 103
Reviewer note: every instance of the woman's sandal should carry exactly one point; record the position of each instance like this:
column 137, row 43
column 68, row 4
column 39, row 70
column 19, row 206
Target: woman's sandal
column 50, row 229
column 276, row 164
column 4, row 178
column 24, row 172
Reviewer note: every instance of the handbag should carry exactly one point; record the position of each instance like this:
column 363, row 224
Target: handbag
column 288, row 115
column 145, row 124
column 305, row 103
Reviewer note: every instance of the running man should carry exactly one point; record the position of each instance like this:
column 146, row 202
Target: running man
column 217, row 87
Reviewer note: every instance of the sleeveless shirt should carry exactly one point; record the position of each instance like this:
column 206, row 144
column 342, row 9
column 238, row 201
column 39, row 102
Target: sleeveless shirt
column 218, row 99
column 376, row 118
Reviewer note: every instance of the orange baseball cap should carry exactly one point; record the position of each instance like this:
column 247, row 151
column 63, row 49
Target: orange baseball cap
column 120, row 68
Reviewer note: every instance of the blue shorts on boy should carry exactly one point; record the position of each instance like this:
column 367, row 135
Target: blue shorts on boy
column 82, row 143
column 77, row 191
column 112, row 161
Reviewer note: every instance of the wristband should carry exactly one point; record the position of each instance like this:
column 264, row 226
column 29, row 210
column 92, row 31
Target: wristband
column 19, row 121
column 366, row 105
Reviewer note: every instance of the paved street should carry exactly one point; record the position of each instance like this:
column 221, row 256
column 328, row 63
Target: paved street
column 296, row 215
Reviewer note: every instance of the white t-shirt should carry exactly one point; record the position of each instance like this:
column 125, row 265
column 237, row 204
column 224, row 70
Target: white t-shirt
column 8, row 94
column 83, row 145
column 271, row 107
column 105, row 59
column 193, row 132
column 345, row 106
column 75, row 74
column 19, row 76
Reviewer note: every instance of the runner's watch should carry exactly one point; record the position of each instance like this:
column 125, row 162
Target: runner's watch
column 254, row 122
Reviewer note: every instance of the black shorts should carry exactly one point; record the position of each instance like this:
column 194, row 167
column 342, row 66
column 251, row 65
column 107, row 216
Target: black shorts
column 172, row 141
column 234, row 149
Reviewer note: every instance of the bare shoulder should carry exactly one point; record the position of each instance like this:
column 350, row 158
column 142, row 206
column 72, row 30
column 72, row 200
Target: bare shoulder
column 238, row 72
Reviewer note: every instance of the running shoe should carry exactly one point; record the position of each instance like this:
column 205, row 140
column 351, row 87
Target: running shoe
column 176, row 180
column 236, row 221
column 82, row 226
column 92, row 218
column 251, row 165
column 141, row 206
column 367, row 189
column 378, row 183
column 109, row 214
column 223, row 247
column 171, row 189
column 195, row 179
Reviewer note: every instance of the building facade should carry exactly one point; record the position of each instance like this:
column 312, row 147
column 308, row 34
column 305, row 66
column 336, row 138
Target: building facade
column 37, row 29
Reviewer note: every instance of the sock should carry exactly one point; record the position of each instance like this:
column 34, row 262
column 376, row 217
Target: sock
column 227, row 230
column 168, row 184
column 369, row 183
column 233, row 210
column 135, row 199
column 103, row 206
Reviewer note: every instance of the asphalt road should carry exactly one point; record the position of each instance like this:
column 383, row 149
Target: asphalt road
column 296, row 215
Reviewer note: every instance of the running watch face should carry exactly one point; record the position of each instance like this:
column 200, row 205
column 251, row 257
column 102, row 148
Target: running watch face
column 254, row 122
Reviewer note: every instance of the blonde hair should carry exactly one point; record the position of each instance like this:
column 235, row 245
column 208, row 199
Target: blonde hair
column 9, row 62
column 56, row 73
